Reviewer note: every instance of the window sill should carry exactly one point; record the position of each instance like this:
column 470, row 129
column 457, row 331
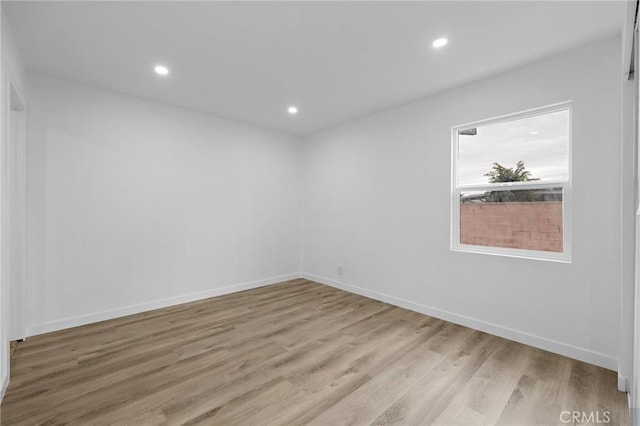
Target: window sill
column 517, row 253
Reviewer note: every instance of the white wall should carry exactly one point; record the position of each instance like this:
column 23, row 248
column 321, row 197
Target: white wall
column 135, row 205
column 12, row 60
column 377, row 197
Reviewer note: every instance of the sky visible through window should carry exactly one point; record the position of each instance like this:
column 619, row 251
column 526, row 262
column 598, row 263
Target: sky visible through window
column 542, row 142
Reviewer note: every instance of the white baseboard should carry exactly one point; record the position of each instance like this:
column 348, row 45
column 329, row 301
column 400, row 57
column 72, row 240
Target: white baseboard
column 5, row 385
column 565, row 349
column 76, row 321
column 623, row 384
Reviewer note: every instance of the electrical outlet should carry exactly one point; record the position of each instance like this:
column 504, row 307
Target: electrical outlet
column 339, row 270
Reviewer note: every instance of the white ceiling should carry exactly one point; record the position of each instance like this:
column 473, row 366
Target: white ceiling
column 336, row 60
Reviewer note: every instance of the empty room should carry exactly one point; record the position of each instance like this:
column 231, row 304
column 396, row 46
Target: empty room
column 319, row 212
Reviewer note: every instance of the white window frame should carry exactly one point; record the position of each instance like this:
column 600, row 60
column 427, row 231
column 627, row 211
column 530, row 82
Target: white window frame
column 456, row 189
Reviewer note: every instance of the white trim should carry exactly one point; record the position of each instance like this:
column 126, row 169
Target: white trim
column 46, row 327
column 508, row 186
column 546, row 256
column 622, row 384
column 9, row 259
column 456, row 189
column 634, row 396
column 16, row 192
column 575, row 352
column 5, row 385
column 628, row 34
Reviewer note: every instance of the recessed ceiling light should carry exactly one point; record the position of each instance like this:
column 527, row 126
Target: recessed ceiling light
column 535, row 132
column 439, row 43
column 161, row 70
column 292, row 110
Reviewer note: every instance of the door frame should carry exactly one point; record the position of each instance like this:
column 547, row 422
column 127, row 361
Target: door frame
column 12, row 218
column 14, row 187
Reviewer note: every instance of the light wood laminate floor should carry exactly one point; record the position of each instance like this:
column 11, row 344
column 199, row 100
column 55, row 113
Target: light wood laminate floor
column 296, row 353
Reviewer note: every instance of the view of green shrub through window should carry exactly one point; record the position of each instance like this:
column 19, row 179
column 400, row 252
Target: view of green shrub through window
column 512, row 182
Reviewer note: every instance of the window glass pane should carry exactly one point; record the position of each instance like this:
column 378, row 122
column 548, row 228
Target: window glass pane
column 541, row 143
column 529, row 219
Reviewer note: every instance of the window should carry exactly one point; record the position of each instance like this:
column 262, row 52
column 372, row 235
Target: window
column 511, row 186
